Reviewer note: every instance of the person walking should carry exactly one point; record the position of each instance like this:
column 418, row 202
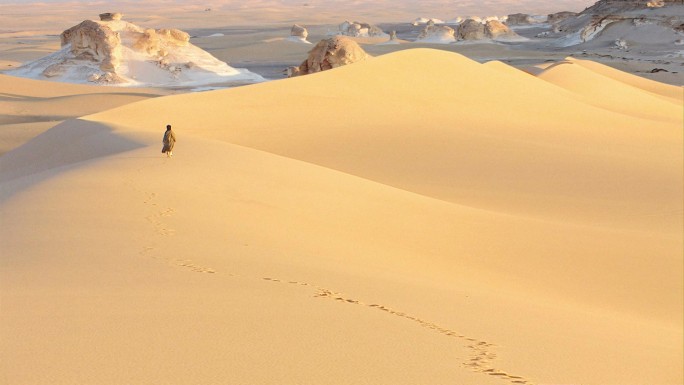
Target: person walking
column 169, row 141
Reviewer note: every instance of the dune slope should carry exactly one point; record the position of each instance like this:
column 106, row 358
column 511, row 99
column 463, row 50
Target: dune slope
column 442, row 135
column 611, row 93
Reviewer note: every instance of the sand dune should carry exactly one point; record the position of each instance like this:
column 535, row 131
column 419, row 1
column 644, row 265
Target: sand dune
column 651, row 86
column 615, row 94
column 369, row 224
column 344, row 126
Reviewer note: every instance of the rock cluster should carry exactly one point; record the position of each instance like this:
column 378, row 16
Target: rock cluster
column 472, row 29
column 358, row 29
column 330, row 53
column 437, row 34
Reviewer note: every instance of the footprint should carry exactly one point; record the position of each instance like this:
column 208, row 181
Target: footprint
column 193, row 267
column 480, row 357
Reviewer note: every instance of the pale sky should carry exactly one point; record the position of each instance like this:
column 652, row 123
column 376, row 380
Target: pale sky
column 175, row 13
column 502, row 6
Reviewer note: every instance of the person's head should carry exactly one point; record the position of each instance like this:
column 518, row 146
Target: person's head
column 168, row 126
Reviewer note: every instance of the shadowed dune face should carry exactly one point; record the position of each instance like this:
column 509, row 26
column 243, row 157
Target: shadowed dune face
column 414, row 218
column 66, row 144
column 29, row 107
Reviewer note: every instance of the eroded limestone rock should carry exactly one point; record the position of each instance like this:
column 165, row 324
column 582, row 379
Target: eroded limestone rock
column 328, row 54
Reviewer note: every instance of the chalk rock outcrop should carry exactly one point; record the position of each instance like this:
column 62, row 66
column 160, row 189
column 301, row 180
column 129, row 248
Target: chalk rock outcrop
column 299, row 34
column 358, row 29
column 441, row 34
column 471, row 30
column 519, row 19
column 495, row 29
column 637, row 21
column 614, row 7
column 330, row 53
column 94, row 41
column 113, row 51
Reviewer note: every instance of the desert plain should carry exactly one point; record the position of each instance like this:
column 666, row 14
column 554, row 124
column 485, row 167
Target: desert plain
column 467, row 213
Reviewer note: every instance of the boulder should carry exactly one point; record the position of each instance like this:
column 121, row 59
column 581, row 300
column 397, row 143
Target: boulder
column 298, row 31
column 437, row 34
column 471, row 30
column 495, row 29
column 519, row 19
column 330, row 53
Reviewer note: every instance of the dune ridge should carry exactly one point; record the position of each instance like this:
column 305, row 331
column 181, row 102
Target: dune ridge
column 548, row 124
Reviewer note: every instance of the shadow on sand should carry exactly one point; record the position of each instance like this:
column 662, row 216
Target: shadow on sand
column 61, row 147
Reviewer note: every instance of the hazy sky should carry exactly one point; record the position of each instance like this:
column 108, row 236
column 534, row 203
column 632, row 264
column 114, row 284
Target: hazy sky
column 60, row 14
column 502, row 6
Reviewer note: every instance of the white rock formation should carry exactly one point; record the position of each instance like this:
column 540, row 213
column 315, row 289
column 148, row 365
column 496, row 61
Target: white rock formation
column 328, row 54
column 643, row 23
column 455, row 21
column 359, row 29
column 113, row 51
column 471, row 29
column 497, row 30
column 299, row 34
column 438, row 34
